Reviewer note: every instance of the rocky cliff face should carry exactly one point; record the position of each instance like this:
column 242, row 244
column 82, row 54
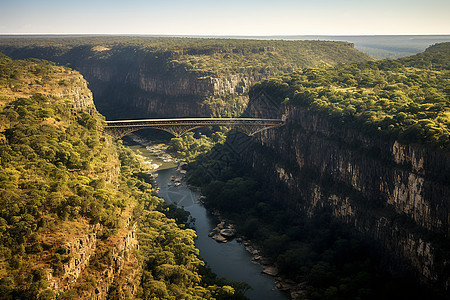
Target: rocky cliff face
column 79, row 94
column 116, row 275
column 142, row 90
column 136, row 90
column 79, row 250
column 173, row 77
column 134, row 85
column 120, row 277
column 394, row 194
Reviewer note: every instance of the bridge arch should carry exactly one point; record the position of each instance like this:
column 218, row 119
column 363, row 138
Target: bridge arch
column 180, row 126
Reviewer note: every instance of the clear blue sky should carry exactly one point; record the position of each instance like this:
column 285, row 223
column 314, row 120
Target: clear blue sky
column 229, row 17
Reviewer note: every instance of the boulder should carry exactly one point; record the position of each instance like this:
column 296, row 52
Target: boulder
column 266, row 261
column 219, row 238
column 256, row 258
column 182, row 166
column 227, row 233
column 270, row 270
column 221, row 225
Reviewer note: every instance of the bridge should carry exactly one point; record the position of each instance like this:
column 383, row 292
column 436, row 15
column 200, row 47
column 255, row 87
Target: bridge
column 180, row 126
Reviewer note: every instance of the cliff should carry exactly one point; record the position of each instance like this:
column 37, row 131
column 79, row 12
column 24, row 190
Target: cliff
column 94, row 267
column 170, row 77
column 391, row 193
column 53, row 233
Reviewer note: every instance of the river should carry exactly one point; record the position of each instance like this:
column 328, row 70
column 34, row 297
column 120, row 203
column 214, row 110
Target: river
column 229, row 260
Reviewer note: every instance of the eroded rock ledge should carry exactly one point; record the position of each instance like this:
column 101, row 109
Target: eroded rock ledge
column 82, row 253
column 403, row 204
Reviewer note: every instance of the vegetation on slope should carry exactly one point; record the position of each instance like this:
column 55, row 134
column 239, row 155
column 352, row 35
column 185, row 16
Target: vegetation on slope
column 53, row 170
column 214, row 57
column 58, row 174
column 190, row 145
column 407, row 98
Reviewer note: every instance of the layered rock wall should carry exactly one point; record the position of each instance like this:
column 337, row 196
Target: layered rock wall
column 397, row 195
column 79, row 94
column 144, row 90
column 119, row 276
column 136, row 84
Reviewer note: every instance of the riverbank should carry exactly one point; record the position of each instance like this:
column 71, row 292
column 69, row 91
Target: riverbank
column 230, row 260
column 153, row 153
column 225, row 232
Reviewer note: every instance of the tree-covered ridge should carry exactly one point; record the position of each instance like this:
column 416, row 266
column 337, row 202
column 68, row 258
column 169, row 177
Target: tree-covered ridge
column 58, row 176
column 407, row 98
column 270, row 57
column 53, row 170
column 436, row 57
column 205, row 56
column 25, row 78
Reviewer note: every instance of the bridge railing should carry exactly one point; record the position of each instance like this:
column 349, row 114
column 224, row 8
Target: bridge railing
column 179, row 126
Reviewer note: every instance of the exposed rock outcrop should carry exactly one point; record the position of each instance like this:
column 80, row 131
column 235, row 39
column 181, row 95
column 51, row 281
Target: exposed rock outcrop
column 223, row 232
column 177, row 79
column 79, row 94
column 79, row 251
column 118, row 275
column 397, row 195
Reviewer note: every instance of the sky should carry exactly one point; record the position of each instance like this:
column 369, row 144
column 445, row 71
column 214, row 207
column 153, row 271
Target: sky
column 230, row 17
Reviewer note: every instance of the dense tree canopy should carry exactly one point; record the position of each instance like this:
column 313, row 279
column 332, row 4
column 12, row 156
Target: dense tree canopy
column 58, row 174
column 407, row 98
column 205, row 56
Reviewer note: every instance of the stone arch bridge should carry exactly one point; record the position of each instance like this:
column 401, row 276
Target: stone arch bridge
column 180, row 126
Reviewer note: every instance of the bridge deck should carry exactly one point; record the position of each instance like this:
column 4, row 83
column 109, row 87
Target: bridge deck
column 179, row 126
column 193, row 121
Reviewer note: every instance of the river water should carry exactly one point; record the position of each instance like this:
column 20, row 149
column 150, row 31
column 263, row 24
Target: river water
column 229, row 260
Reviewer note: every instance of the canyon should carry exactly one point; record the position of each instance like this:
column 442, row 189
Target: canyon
column 392, row 193
column 185, row 78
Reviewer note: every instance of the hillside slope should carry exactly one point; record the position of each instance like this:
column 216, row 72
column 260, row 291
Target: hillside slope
column 407, row 99
column 75, row 206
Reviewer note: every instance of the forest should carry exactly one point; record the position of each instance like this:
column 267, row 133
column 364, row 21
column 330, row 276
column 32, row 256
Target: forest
column 60, row 175
column 406, row 99
column 206, row 57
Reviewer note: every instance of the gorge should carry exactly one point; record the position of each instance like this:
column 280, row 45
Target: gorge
column 362, row 182
column 387, row 190
column 177, row 77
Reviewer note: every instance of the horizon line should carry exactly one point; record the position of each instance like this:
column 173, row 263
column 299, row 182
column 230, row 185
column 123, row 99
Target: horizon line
column 212, row 35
